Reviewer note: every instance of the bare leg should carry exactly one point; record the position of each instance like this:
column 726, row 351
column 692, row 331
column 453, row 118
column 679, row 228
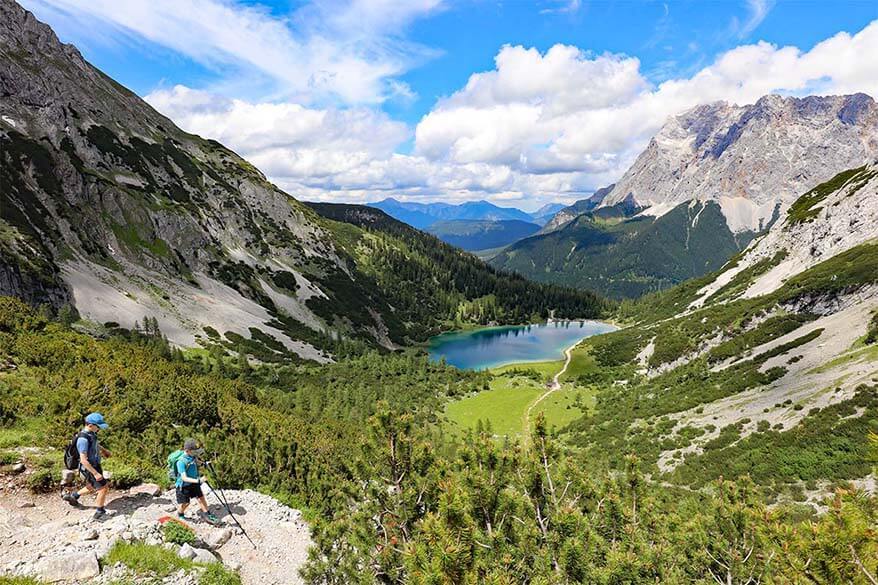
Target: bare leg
column 102, row 496
column 85, row 491
column 202, row 502
column 181, row 509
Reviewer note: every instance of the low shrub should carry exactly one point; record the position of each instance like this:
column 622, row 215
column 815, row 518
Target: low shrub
column 216, row 574
column 178, row 533
column 123, row 476
column 42, row 481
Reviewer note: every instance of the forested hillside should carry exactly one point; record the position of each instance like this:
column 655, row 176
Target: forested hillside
column 608, row 251
column 390, row 497
column 433, row 285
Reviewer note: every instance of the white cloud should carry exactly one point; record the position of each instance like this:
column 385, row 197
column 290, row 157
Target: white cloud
column 347, row 51
column 757, row 11
column 586, row 117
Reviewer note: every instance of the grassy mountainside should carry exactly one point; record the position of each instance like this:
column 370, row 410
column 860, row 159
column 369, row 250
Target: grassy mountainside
column 433, row 285
column 625, row 257
column 476, row 235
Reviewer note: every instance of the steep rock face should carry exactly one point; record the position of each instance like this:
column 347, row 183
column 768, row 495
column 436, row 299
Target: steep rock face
column 751, row 159
column 107, row 203
column 824, row 222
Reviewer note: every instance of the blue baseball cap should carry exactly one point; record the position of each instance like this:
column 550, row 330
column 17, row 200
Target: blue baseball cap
column 96, row 419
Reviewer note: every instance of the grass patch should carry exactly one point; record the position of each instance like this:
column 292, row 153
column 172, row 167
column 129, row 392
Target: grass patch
column 546, row 370
column 19, row 581
column 502, row 406
column 25, row 432
column 147, row 559
column 805, row 207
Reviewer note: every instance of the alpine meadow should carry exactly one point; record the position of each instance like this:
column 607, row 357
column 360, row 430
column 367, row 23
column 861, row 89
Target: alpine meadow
column 440, row 292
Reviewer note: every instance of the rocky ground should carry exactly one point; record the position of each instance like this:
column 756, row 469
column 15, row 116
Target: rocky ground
column 43, row 536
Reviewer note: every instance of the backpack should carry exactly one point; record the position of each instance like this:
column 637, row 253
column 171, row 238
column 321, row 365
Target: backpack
column 71, row 453
column 172, row 463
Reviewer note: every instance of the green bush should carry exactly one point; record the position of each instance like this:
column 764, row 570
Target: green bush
column 123, row 476
column 42, row 481
column 178, row 533
column 9, row 457
column 18, row 581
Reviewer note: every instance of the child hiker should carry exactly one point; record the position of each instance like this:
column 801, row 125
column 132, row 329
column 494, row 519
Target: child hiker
column 189, row 482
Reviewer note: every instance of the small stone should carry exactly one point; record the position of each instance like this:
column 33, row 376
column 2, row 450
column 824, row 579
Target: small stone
column 127, row 536
column 90, row 534
column 202, row 555
column 67, row 476
column 27, row 505
column 217, row 538
column 149, row 489
column 18, row 468
column 186, row 552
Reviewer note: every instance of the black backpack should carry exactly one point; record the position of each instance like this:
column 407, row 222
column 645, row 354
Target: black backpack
column 71, row 453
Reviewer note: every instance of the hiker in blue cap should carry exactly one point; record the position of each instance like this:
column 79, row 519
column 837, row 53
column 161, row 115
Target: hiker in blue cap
column 90, row 454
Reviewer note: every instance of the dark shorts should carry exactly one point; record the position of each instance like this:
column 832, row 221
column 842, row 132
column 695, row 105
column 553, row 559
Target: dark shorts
column 188, row 491
column 90, row 479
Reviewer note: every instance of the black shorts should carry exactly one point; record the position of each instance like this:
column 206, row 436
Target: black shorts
column 188, row 491
column 90, row 479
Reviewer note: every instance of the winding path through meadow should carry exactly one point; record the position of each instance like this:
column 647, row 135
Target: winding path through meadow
column 552, row 387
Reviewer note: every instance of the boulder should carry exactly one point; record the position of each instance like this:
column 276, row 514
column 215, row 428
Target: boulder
column 18, row 468
column 68, row 476
column 150, row 489
column 186, row 552
column 202, row 555
column 76, row 566
column 217, row 538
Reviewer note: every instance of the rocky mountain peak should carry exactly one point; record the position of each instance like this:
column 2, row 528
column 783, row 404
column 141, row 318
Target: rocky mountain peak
column 752, row 160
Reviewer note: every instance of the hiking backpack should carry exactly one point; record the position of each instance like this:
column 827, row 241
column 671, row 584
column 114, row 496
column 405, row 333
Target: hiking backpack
column 172, row 463
column 71, row 453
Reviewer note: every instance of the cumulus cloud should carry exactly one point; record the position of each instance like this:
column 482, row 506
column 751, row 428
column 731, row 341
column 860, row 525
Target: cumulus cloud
column 349, row 51
column 570, row 112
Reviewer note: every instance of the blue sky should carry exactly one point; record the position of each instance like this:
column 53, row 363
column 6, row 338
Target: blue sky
column 516, row 102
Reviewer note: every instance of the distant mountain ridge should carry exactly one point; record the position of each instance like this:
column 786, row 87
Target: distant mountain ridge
column 423, row 215
column 476, row 234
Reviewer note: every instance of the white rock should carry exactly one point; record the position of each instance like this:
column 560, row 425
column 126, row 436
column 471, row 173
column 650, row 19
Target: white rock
column 67, row 476
column 77, row 567
column 90, row 534
column 202, row 555
column 18, row 468
column 149, row 489
column 186, row 552
column 216, row 538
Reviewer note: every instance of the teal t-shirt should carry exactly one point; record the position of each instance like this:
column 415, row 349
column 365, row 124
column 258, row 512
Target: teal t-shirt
column 186, row 464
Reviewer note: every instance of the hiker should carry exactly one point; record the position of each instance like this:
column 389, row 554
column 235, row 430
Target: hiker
column 90, row 454
column 189, row 482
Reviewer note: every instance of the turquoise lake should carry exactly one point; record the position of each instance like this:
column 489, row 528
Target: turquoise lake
column 491, row 347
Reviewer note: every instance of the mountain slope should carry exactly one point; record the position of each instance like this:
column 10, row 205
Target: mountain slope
column 748, row 163
column 423, row 215
column 432, row 284
column 109, row 206
column 545, row 213
column 474, row 234
column 567, row 214
column 761, row 368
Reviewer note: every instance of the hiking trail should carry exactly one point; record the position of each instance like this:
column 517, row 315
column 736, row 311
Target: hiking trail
column 554, row 385
column 44, row 537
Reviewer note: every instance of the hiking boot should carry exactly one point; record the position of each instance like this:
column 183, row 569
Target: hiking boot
column 100, row 514
column 71, row 498
column 209, row 518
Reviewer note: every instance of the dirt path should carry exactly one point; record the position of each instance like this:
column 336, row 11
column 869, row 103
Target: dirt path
column 41, row 535
column 554, row 385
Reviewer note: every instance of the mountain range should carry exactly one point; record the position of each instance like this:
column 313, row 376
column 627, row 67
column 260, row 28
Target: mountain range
column 108, row 206
column 707, row 183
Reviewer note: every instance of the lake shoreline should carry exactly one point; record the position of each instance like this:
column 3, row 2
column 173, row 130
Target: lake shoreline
column 502, row 346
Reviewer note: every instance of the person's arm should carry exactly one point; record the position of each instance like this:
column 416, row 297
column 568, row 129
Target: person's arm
column 104, row 452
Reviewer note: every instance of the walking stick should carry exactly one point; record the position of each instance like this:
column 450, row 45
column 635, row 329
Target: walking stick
column 221, row 496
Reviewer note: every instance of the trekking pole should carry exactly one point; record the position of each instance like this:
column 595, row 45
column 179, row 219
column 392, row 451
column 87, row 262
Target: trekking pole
column 221, row 496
